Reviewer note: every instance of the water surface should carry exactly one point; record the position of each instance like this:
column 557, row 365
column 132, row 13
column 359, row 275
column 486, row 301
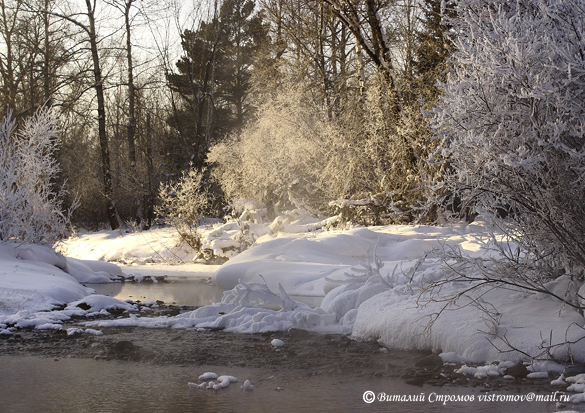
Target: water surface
column 86, row 385
column 190, row 284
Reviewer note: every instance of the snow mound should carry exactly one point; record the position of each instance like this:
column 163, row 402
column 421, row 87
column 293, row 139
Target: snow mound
column 489, row 370
column 97, row 303
column 243, row 310
column 163, row 245
column 277, row 343
column 211, row 381
column 35, row 281
column 96, row 272
column 153, row 246
column 34, row 278
column 208, row 376
column 375, row 286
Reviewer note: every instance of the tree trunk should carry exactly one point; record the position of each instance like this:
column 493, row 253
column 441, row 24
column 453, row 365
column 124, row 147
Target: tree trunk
column 7, row 63
column 46, row 59
column 147, row 192
column 132, row 114
column 102, row 133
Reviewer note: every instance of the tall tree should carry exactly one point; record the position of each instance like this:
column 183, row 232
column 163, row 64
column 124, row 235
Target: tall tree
column 36, row 48
column 434, row 46
column 88, row 27
column 126, row 7
column 242, row 34
column 214, row 75
column 15, row 57
column 363, row 19
column 312, row 46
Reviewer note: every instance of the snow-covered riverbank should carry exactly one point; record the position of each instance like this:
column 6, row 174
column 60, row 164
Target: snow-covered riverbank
column 372, row 281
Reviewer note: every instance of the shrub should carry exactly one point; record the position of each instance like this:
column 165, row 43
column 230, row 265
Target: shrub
column 183, row 203
column 512, row 124
column 30, row 205
column 278, row 158
column 294, row 156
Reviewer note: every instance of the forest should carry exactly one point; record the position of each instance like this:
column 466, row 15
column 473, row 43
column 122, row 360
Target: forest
column 289, row 103
column 371, row 111
column 405, row 172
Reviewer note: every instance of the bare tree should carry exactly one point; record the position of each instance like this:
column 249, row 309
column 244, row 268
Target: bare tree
column 311, row 40
column 126, row 7
column 362, row 18
column 10, row 15
column 89, row 29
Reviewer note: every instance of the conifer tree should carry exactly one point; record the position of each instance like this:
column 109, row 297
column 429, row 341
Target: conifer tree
column 213, row 76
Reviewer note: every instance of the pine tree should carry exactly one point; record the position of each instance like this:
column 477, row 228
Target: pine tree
column 214, row 76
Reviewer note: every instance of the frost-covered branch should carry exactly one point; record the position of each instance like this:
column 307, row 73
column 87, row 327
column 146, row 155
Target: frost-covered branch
column 30, row 204
column 512, row 127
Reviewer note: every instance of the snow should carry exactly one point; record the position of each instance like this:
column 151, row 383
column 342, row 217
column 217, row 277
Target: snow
column 224, row 381
column 208, row 376
column 34, row 279
column 489, row 370
column 73, row 331
column 277, row 343
column 211, row 381
column 157, row 246
column 88, row 271
column 373, row 283
column 98, row 303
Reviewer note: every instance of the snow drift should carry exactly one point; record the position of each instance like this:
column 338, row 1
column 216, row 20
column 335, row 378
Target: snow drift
column 34, row 278
column 375, row 285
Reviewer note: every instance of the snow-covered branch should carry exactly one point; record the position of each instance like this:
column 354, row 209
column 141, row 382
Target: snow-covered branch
column 30, row 207
column 512, row 123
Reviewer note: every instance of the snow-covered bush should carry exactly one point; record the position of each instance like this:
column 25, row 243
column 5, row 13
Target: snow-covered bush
column 295, row 155
column 30, row 205
column 183, row 203
column 278, row 158
column 512, row 124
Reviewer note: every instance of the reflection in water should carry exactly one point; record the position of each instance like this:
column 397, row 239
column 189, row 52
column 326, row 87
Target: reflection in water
column 180, row 291
column 77, row 385
column 192, row 292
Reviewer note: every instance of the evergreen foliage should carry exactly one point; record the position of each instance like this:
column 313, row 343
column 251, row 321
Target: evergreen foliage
column 213, row 79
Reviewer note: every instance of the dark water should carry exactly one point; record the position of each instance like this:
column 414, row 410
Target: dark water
column 86, row 385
